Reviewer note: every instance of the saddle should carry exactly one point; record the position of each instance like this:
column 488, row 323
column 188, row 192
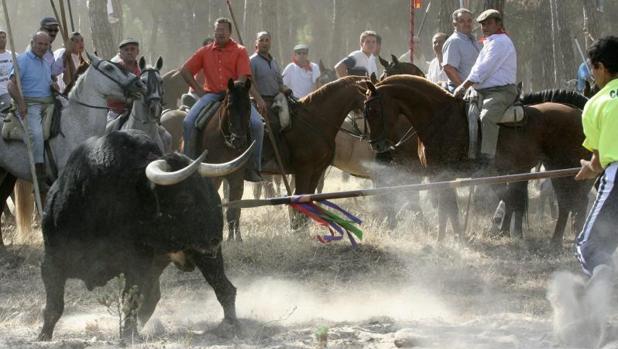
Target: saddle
column 12, row 128
column 207, row 112
column 280, row 116
column 514, row 115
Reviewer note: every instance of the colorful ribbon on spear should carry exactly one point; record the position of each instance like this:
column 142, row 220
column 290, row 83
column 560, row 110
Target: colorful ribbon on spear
column 338, row 226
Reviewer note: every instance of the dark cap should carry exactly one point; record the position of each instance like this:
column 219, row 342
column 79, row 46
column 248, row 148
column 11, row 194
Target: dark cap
column 301, row 47
column 128, row 41
column 49, row 21
column 487, row 14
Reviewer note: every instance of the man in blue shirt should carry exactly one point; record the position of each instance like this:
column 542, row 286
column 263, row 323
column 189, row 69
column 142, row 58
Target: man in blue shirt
column 583, row 74
column 35, row 97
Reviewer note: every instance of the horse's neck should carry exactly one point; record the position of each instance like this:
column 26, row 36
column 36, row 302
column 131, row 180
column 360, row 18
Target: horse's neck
column 339, row 102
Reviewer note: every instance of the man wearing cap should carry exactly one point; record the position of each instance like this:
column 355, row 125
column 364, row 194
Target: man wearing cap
column 36, row 95
column 50, row 26
column 360, row 62
column 493, row 76
column 301, row 75
column 266, row 73
column 128, row 51
column 460, row 50
column 220, row 61
column 6, row 65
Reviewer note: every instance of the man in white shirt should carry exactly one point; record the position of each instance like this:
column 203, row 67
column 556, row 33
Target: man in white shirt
column 76, row 48
column 435, row 73
column 360, row 62
column 493, row 76
column 301, row 75
column 6, row 65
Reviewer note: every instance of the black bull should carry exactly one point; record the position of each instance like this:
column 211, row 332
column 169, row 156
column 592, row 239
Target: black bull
column 103, row 217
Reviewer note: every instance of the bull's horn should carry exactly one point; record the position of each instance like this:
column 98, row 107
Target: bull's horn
column 219, row 170
column 158, row 171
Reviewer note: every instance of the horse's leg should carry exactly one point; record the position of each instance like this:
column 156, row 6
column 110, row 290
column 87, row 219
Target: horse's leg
column 269, row 189
column 236, row 187
column 452, row 210
column 320, row 184
column 442, row 216
column 257, row 189
column 24, row 208
column 518, row 203
column 6, row 187
column 303, row 183
column 564, row 190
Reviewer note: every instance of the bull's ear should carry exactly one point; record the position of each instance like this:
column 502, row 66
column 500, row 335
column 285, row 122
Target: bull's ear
column 374, row 78
column 159, row 63
column 230, row 84
column 372, row 88
column 394, row 59
column 142, row 63
column 383, row 61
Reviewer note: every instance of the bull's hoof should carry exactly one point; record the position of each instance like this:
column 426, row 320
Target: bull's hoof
column 44, row 337
column 228, row 329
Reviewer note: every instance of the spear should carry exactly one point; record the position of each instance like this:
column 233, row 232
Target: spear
column 24, row 125
column 305, row 198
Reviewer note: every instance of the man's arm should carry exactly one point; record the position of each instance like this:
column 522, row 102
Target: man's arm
column 341, row 69
column 590, row 168
column 190, row 80
column 14, row 92
column 253, row 92
column 452, row 74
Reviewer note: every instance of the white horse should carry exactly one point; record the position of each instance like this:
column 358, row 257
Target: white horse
column 84, row 117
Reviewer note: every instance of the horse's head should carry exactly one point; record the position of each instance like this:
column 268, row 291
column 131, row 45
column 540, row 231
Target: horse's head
column 326, row 74
column 237, row 112
column 151, row 78
column 381, row 115
column 108, row 79
column 395, row 67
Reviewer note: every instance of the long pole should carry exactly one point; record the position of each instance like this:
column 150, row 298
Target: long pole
column 229, row 7
column 520, row 177
column 35, row 182
column 411, row 29
column 71, row 15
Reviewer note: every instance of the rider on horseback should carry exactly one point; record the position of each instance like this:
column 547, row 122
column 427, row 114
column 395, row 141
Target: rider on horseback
column 493, row 76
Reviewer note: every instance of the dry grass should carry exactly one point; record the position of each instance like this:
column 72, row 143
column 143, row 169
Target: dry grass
column 290, row 285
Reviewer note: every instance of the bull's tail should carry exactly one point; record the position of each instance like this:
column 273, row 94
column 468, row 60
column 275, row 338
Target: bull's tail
column 571, row 98
column 24, row 208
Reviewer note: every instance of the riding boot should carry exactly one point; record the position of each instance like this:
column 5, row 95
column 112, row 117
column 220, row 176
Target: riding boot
column 41, row 177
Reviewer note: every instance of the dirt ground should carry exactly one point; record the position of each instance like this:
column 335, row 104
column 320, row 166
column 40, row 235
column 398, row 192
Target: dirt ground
column 400, row 288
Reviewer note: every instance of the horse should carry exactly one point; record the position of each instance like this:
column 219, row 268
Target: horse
column 85, row 116
column 395, row 67
column 441, row 125
column 225, row 136
column 146, row 111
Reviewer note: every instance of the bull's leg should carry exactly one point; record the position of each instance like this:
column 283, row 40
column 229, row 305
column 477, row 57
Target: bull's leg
column 7, row 182
column 212, row 269
column 518, row 193
column 232, row 215
column 54, row 281
column 151, row 292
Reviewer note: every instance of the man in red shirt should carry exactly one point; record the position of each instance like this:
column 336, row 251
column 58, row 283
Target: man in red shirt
column 128, row 51
column 220, row 61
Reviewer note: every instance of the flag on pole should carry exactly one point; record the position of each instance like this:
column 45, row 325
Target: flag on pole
column 418, row 4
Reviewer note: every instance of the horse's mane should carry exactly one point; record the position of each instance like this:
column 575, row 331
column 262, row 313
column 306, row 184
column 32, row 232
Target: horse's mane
column 417, row 83
column 557, row 96
column 329, row 88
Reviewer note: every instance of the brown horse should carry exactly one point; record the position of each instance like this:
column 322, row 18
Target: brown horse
column 226, row 136
column 553, row 133
column 395, row 67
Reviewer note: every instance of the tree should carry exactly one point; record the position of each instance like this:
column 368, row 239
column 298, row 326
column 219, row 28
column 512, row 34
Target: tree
column 100, row 29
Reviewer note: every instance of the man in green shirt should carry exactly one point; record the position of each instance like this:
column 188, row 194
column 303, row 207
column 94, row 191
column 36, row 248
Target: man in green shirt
column 599, row 237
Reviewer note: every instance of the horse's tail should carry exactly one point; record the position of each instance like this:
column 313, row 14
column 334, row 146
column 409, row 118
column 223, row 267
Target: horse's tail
column 571, row 98
column 24, row 206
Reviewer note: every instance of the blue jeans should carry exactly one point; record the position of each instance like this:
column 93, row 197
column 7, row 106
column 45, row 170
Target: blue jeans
column 255, row 124
column 35, row 126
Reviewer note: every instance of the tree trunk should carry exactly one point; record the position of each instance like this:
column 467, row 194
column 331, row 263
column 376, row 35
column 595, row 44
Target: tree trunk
column 100, row 29
column 592, row 21
column 495, row 4
column 568, row 65
column 542, row 62
column 118, row 26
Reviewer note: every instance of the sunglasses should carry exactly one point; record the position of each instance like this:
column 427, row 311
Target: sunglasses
column 54, row 30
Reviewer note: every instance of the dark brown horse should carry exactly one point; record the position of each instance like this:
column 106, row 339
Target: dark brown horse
column 395, row 67
column 553, row 134
column 226, row 136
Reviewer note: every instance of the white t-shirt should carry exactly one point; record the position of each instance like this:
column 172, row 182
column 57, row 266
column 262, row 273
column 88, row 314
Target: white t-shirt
column 300, row 80
column 358, row 63
column 435, row 73
column 6, row 65
column 58, row 56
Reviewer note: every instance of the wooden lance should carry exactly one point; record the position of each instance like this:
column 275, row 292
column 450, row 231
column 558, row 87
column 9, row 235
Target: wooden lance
column 305, row 198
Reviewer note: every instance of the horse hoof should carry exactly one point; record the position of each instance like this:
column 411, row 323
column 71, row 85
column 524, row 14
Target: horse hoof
column 44, row 337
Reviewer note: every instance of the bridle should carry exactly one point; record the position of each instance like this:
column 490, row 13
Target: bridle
column 381, row 138
column 126, row 87
column 154, row 90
